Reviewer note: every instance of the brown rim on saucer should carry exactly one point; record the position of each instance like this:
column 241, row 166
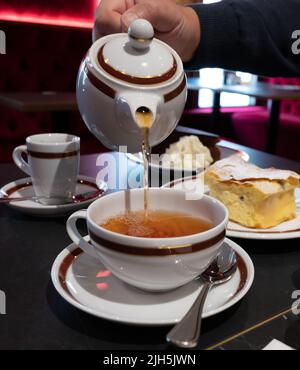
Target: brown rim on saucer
column 73, row 255
column 264, row 231
column 42, row 155
column 134, row 79
column 64, row 267
column 110, row 92
column 155, row 252
column 243, row 273
column 27, row 184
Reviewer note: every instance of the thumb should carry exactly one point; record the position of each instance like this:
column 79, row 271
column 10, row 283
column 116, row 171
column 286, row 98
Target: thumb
column 127, row 18
column 162, row 21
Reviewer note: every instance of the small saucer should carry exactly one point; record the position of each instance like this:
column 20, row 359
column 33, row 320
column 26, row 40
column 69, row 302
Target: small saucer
column 24, row 188
column 285, row 230
column 88, row 285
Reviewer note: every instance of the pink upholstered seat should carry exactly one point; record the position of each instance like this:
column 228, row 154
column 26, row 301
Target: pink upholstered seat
column 251, row 128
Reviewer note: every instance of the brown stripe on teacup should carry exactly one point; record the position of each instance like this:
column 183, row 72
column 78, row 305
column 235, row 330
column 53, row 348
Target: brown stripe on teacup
column 162, row 251
column 134, row 79
column 52, row 155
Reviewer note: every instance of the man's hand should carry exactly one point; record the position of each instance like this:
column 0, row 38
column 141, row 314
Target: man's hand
column 176, row 25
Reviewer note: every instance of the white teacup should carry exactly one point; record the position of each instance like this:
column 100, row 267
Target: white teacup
column 154, row 264
column 53, row 164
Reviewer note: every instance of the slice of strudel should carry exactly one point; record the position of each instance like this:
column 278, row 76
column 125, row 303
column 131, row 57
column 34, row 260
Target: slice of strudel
column 255, row 197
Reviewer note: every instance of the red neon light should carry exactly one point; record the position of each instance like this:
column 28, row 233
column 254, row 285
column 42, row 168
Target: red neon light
column 103, row 273
column 102, row 286
column 34, row 18
column 60, row 20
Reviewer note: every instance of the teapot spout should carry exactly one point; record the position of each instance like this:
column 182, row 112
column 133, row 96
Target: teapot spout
column 144, row 117
column 143, row 108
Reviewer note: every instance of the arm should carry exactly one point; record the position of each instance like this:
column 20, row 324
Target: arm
column 256, row 36
column 253, row 36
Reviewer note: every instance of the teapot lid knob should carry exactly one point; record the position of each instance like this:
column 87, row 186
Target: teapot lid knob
column 140, row 34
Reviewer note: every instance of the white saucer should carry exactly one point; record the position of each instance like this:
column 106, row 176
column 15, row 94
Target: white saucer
column 286, row 230
column 86, row 284
column 23, row 188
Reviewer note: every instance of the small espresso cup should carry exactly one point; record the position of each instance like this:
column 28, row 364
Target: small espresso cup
column 53, row 165
column 153, row 264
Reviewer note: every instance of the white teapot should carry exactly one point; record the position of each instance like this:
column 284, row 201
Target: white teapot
column 123, row 73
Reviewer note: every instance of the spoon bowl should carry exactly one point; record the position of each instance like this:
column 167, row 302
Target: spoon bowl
column 186, row 333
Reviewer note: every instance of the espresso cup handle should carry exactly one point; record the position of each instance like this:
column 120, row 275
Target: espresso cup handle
column 19, row 160
column 75, row 235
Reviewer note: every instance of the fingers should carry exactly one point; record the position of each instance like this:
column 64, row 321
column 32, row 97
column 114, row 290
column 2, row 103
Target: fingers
column 108, row 16
column 163, row 15
column 107, row 24
column 176, row 25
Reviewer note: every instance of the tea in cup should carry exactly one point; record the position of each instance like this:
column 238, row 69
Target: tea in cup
column 161, row 261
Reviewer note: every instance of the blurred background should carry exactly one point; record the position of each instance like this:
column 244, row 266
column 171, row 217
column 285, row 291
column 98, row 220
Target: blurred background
column 45, row 43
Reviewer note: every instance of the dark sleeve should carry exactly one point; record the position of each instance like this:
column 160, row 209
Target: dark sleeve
column 256, row 36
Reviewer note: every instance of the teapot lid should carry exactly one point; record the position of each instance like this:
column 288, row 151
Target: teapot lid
column 137, row 57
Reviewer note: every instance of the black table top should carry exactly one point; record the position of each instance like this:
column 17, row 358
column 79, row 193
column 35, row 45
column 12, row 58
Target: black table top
column 38, row 318
column 259, row 90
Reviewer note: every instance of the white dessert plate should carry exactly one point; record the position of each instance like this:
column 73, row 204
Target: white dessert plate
column 24, row 188
column 155, row 163
column 86, row 284
column 286, row 230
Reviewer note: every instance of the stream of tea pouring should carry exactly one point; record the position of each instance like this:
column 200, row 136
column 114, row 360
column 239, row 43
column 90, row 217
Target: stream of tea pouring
column 144, row 118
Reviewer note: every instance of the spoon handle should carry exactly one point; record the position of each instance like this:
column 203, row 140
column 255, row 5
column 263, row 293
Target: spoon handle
column 187, row 331
column 18, row 199
column 79, row 198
